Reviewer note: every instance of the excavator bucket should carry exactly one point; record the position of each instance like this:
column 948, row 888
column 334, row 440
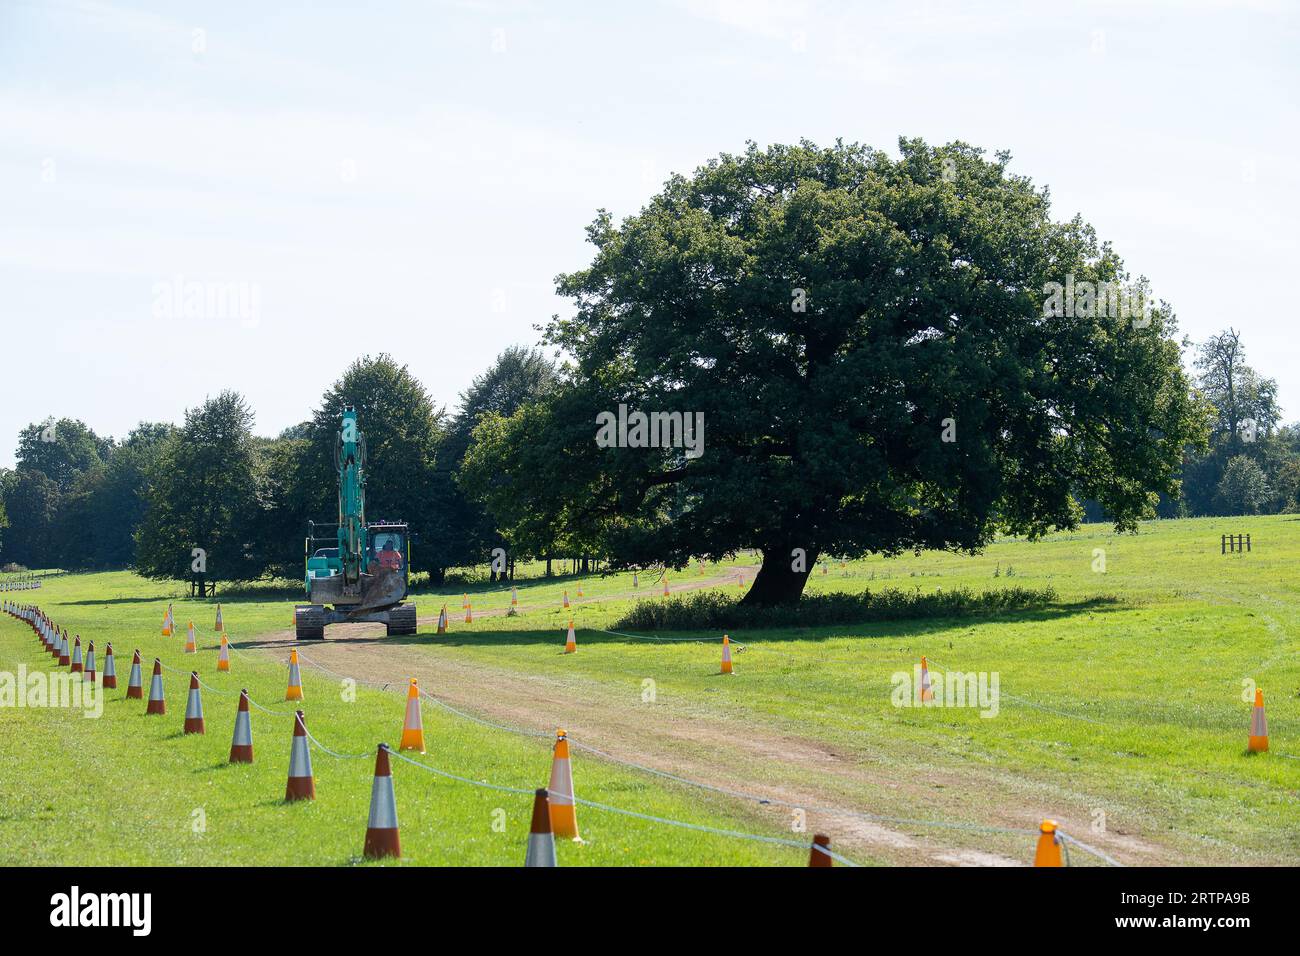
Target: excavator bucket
column 377, row 591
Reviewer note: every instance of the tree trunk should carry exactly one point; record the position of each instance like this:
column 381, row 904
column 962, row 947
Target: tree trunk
column 777, row 583
column 437, row 575
column 548, row 567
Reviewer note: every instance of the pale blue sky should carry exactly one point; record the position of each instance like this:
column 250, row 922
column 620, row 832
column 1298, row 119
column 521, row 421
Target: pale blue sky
column 409, row 177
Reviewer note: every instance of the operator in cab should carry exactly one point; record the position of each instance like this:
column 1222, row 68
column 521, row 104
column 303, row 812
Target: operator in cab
column 389, row 557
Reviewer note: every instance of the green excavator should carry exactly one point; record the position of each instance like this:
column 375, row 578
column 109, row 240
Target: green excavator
column 361, row 572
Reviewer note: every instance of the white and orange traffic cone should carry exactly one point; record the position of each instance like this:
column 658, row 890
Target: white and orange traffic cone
column 740, row 581
column 818, row 855
column 157, row 703
column 665, row 587
column 241, row 744
column 1048, row 852
column 636, row 583
column 1258, row 740
column 110, row 669
column 301, row 785
column 541, row 841
column 469, row 614
column 514, row 598
column 134, row 686
column 220, row 626
column 381, row 829
column 77, row 664
column 559, row 795
column 579, row 590
column 726, row 655
column 570, row 641
column 223, row 654
column 167, row 622
column 442, row 620
column 294, row 690
column 191, row 646
column 194, row 707
column 413, row 725
column 63, row 651
column 89, row 672
column 566, row 598
column 926, row 692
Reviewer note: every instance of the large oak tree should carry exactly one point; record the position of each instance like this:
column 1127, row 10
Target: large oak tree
column 835, row 314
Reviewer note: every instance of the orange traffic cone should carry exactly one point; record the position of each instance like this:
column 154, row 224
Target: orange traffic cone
column 926, row 692
column 190, row 646
column 1258, row 741
column 167, row 622
column 1049, row 845
column 110, row 669
column 157, row 703
column 301, row 785
column 77, row 666
column 566, row 597
column 223, row 654
column 194, row 707
column 464, row 601
column 220, row 626
column 541, row 841
column 241, row 745
column 134, row 687
column 579, row 590
column 63, row 651
column 413, row 726
column 442, row 620
column 726, row 654
column 570, row 642
column 381, row 829
column 665, row 587
column 89, row 672
column 469, row 614
column 294, row 690
column 635, row 581
column 817, row 856
column 564, row 819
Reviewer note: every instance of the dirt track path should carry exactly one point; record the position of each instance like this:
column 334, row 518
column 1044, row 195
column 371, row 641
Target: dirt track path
column 745, row 755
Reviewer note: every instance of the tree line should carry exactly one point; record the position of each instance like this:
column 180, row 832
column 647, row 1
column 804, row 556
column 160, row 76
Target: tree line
column 862, row 339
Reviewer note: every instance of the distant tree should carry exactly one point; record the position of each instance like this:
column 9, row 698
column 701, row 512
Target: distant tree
column 468, row 530
column 118, row 505
column 402, row 430
column 32, row 503
column 61, row 450
column 833, row 314
column 1246, row 402
column 202, row 494
column 1244, row 488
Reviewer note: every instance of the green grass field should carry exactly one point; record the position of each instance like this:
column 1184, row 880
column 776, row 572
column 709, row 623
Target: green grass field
column 1121, row 714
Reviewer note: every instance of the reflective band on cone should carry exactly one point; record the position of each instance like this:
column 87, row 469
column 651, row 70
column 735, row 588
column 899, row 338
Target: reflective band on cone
column 1258, row 741
column 301, row 785
column 194, row 707
column 726, row 655
column 223, row 655
column 134, row 687
column 76, row 656
column 541, row 841
column 816, row 856
column 294, row 690
column 381, row 829
column 413, row 726
column 110, row 669
column 571, row 641
column 157, row 705
column 241, row 745
column 1049, row 846
column 564, row 819
column 89, row 672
